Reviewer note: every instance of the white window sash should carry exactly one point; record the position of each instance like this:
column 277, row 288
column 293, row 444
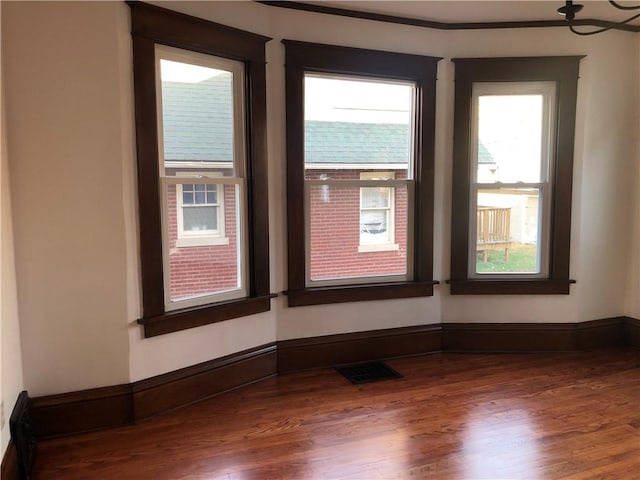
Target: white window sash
column 548, row 92
column 237, row 69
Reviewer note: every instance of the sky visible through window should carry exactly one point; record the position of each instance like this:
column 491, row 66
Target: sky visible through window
column 186, row 72
column 360, row 101
column 510, row 128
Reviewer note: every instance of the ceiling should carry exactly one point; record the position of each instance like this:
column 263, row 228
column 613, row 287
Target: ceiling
column 485, row 11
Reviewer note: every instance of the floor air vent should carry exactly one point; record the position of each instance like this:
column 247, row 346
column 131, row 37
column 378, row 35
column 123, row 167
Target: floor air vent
column 368, row 372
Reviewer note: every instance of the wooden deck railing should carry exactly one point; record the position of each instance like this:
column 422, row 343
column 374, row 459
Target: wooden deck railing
column 494, row 230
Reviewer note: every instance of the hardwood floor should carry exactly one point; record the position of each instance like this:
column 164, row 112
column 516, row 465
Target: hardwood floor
column 452, row 416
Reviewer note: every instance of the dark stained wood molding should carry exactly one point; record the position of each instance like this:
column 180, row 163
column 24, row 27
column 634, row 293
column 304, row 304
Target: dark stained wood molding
column 417, row 22
column 510, row 287
column 199, row 316
column 301, row 57
column 358, row 293
column 632, row 332
column 564, row 72
column 152, row 25
column 532, row 337
column 100, row 408
column 189, row 385
column 193, row 33
column 329, row 350
column 10, row 470
column 82, row 411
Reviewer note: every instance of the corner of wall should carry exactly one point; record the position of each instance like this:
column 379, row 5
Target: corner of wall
column 10, row 348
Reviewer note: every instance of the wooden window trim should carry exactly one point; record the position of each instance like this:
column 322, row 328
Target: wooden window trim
column 564, row 72
column 303, row 57
column 153, row 25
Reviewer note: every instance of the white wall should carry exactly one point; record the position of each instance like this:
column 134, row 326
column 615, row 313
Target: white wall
column 633, row 284
column 70, row 112
column 10, row 353
column 63, row 100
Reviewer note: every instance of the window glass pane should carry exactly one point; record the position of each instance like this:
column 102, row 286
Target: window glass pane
column 197, row 115
column 375, row 197
column 352, row 124
column 374, row 227
column 200, row 218
column 203, row 255
column 510, row 138
column 508, row 234
column 346, row 242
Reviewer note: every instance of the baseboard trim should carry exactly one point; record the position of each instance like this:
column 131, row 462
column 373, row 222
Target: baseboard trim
column 532, row 337
column 82, row 411
column 632, row 332
column 192, row 384
column 329, row 350
column 76, row 412
column 101, row 408
column 10, row 469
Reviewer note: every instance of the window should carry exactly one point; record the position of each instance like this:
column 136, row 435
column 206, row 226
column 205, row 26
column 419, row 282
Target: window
column 360, row 127
column 513, row 158
column 200, row 129
column 377, row 214
column 200, row 215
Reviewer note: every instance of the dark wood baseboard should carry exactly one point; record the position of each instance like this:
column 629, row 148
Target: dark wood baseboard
column 100, row 408
column 192, row 384
column 532, row 337
column 76, row 412
column 329, row 350
column 632, row 332
column 82, row 411
column 10, row 469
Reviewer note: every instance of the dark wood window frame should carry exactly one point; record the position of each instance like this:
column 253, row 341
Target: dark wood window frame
column 563, row 71
column 304, row 57
column 151, row 25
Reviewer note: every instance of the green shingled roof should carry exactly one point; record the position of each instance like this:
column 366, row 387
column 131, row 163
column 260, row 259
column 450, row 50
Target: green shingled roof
column 484, row 156
column 354, row 143
column 198, row 118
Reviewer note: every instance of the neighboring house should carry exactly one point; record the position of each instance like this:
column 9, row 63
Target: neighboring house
column 197, row 139
column 361, row 230
column 357, row 231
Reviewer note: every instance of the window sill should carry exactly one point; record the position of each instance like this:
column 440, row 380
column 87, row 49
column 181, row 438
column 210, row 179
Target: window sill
column 380, row 247
column 359, row 293
column 201, row 241
column 198, row 316
column 510, row 287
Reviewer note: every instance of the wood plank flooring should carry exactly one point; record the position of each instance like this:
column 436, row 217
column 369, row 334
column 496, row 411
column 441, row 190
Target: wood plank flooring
column 452, row 416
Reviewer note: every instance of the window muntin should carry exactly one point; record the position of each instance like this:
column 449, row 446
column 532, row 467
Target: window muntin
column 510, row 187
column 354, row 124
column 201, row 120
column 199, row 208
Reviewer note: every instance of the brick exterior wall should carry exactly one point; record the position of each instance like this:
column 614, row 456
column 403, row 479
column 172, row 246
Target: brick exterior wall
column 335, row 238
column 335, row 231
column 203, row 269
